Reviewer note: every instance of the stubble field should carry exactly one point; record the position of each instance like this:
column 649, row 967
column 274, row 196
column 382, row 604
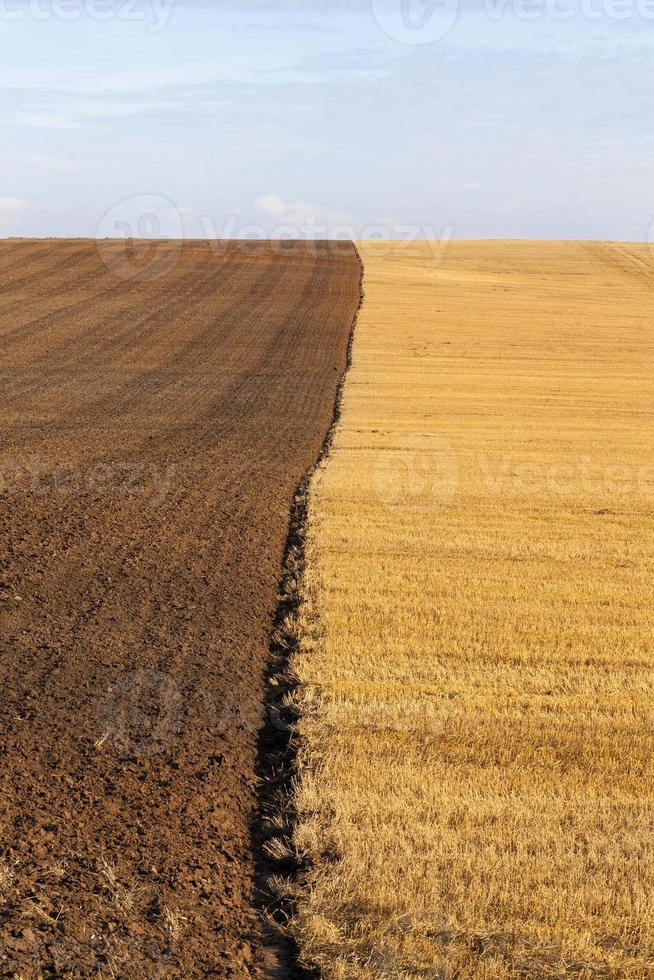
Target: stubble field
column 476, row 640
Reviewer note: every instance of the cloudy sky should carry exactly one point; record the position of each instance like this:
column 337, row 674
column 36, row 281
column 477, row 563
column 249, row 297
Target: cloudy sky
column 374, row 118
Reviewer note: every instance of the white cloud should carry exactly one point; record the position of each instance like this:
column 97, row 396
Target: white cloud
column 301, row 216
column 271, row 204
column 10, row 207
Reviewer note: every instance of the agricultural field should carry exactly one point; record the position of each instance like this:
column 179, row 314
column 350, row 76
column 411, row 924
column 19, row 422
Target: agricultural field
column 312, row 672
column 475, row 641
column 157, row 414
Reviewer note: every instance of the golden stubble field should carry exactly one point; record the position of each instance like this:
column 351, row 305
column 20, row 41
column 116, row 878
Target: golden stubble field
column 475, row 787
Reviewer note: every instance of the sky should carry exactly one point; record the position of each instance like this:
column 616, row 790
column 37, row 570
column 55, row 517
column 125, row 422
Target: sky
column 327, row 118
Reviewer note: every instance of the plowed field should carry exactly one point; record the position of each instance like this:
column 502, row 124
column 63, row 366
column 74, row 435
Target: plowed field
column 153, row 431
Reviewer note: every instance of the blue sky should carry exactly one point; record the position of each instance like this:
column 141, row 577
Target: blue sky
column 486, row 118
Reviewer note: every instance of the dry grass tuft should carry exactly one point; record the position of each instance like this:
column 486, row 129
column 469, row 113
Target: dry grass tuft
column 173, row 922
column 32, row 909
column 55, row 871
column 126, row 896
column 7, row 878
column 477, row 639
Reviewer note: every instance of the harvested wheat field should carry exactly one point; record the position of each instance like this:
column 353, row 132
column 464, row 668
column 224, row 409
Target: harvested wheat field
column 154, row 429
column 476, row 774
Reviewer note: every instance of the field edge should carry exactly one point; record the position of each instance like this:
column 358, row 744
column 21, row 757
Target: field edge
column 280, row 868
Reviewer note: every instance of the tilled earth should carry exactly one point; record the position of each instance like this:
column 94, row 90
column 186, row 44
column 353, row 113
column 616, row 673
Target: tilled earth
column 158, row 407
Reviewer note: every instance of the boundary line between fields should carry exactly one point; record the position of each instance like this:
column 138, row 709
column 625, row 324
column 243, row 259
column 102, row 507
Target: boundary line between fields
column 278, row 869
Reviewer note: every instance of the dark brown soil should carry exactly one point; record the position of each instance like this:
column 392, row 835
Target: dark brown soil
column 153, row 432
